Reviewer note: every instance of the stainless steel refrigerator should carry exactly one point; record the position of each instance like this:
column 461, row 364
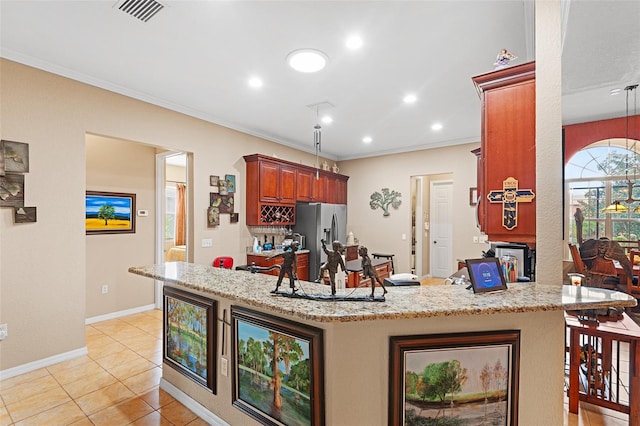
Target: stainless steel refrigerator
column 317, row 221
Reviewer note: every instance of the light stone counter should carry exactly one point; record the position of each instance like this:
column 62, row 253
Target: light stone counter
column 401, row 302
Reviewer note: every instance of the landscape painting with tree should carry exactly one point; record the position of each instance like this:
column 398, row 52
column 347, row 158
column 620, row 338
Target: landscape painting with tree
column 110, row 212
column 455, row 379
column 189, row 335
column 278, row 369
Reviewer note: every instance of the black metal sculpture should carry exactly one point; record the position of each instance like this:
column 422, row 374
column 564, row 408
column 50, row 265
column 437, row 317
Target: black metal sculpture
column 368, row 271
column 334, row 258
column 289, row 266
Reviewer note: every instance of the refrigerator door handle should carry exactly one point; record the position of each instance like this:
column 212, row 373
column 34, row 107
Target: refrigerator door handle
column 334, row 228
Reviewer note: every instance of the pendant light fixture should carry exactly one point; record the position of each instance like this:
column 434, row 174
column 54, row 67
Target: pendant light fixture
column 617, row 206
column 317, row 140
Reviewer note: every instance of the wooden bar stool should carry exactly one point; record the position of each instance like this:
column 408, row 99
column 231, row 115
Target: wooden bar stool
column 385, row 256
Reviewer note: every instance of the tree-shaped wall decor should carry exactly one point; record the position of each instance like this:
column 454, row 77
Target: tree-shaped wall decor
column 384, row 199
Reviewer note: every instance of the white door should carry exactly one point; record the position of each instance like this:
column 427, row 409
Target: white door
column 441, row 229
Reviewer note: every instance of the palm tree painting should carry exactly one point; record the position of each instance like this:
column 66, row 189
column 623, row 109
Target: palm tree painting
column 109, row 212
column 274, row 379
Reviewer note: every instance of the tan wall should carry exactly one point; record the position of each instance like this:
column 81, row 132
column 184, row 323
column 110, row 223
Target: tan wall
column 120, row 166
column 384, row 234
column 43, row 277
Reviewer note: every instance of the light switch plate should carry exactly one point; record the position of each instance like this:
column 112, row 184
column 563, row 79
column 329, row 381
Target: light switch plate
column 224, row 365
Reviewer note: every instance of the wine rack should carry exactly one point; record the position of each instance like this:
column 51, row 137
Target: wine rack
column 274, row 214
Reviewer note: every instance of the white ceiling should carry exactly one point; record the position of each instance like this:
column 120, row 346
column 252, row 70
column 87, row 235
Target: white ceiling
column 196, row 57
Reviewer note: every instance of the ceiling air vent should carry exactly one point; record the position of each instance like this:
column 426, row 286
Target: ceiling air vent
column 140, row 9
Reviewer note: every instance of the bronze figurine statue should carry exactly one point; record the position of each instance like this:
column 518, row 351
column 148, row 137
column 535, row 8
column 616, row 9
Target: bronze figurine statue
column 289, row 266
column 368, row 271
column 334, row 258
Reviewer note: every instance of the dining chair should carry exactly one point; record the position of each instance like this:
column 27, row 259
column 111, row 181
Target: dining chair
column 598, row 257
column 633, row 285
column 578, row 264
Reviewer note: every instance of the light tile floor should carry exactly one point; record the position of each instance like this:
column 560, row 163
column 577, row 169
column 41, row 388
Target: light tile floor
column 117, row 384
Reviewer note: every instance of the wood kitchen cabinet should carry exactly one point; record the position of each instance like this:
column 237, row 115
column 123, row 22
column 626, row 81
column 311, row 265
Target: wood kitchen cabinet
column 335, row 189
column 277, row 182
column 274, row 186
column 309, row 189
column 302, row 270
column 506, row 207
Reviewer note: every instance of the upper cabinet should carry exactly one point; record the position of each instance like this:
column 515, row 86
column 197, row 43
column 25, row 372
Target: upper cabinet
column 274, row 186
column 277, row 182
column 309, row 189
column 507, row 155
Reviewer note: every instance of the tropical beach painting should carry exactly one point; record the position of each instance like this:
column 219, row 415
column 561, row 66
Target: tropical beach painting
column 278, row 369
column 110, row 212
column 189, row 335
column 455, row 379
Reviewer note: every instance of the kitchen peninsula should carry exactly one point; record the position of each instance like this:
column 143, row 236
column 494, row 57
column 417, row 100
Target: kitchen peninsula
column 357, row 336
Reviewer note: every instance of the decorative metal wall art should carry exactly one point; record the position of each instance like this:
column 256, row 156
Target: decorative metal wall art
column 385, row 199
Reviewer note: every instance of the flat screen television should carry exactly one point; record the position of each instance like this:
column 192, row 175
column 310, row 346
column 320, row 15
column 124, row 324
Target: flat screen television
column 486, row 275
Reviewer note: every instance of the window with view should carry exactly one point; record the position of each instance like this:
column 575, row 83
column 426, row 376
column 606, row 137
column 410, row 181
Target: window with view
column 596, row 177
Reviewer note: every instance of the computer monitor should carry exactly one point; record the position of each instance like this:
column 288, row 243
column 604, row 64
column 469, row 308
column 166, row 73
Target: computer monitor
column 486, row 275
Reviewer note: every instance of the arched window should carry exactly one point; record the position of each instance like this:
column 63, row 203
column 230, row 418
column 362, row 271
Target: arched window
column 597, row 176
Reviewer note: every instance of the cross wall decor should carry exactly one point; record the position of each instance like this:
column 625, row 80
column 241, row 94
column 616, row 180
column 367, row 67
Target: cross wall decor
column 510, row 196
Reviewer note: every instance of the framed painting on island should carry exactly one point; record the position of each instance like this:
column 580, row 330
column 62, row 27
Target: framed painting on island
column 189, row 335
column 278, row 369
column 462, row 378
column 110, row 213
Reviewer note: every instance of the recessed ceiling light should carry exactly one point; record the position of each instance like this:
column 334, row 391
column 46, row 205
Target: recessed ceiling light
column 409, row 99
column 307, row 60
column 255, row 82
column 436, row 126
column 367, row 139
column 354, row 42
column 327, row 119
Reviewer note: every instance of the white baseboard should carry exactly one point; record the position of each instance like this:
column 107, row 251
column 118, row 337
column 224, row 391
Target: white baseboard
column 192, row 404
column 32, row 366
column 119, row 314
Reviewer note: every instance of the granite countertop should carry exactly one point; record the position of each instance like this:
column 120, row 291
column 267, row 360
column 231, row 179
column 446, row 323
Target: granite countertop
column 401, row 302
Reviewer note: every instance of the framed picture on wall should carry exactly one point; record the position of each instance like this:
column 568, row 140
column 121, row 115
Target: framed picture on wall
column 16, row 156
column 24, row 214
column 447, row 377
column 12, row 190
column 231, row 183
column 190, row 335
column 473, row 196
column 110, row 213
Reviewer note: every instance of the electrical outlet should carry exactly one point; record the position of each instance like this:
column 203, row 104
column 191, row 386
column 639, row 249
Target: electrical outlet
column 224, row 364
column 105, row 289
column 4, row 331
column 475, row 239
column 207, row 242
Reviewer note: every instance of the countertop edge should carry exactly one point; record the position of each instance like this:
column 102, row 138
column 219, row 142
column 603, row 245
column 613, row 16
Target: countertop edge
column 414, row 302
